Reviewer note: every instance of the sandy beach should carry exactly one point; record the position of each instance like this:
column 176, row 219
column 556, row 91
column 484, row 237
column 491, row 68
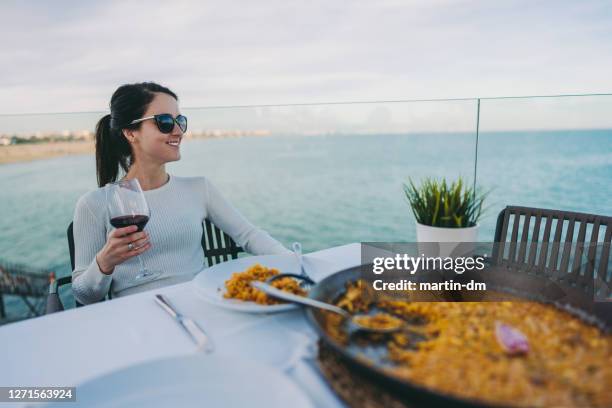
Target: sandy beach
column 29, row 152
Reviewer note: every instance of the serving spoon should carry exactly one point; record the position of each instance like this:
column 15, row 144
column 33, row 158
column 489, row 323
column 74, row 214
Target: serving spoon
column 353, row 324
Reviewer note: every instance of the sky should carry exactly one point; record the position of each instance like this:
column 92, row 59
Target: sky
column 69, row 56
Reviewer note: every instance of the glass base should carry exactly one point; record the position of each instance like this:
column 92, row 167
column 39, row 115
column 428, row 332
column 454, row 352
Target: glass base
column 146, row 275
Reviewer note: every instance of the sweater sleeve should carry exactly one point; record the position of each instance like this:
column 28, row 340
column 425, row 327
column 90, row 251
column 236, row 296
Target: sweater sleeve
column 254, row 240
column 89, row 284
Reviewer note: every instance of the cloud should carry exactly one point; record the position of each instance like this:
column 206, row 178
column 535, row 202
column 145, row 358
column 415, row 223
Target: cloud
column 71, row 55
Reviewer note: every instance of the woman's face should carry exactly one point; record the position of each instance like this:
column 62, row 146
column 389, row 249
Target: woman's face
column 150, row 146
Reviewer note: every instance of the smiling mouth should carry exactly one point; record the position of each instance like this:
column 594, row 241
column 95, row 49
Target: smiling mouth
column 174, row 143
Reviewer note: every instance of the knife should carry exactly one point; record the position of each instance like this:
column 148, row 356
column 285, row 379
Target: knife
column 197, row 334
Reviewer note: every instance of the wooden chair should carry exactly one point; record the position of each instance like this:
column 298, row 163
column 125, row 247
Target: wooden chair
column 569, row 246
column 217, row 245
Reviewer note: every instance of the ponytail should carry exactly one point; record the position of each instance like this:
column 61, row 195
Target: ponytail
column 113, row 151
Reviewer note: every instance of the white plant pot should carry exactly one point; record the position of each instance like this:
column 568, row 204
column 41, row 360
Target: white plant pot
column 438, row 241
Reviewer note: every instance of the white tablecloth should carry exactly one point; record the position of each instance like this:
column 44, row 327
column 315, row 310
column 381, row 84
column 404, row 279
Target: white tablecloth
column 68, row 348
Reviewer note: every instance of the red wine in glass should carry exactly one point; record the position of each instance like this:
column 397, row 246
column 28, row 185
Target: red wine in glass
column 127, row 206
column 126, row 220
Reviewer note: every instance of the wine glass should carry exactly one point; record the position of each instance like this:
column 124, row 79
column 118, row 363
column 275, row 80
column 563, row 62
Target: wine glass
column 127, row 206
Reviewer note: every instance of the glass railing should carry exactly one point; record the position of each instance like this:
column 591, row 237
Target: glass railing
column 331, row 174
column 546, row 152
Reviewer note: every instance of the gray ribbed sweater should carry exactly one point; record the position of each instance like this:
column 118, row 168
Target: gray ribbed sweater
column 178, row 209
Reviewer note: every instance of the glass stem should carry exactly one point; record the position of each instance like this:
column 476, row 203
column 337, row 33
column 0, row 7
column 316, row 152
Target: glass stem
column 143, row 268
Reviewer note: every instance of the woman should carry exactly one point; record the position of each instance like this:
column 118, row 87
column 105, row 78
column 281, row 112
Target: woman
column 131, row 139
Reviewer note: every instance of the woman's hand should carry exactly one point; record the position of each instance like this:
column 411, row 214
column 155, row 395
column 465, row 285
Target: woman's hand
column 117, row 248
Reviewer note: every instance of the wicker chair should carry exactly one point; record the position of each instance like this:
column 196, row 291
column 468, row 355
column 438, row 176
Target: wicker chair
column 217, row 245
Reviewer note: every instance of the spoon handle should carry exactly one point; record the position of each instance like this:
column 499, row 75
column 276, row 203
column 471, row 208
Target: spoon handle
column 290, row 297
column 297, row 250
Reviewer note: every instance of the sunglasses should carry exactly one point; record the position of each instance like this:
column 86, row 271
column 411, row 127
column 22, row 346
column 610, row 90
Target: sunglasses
column 165, row 122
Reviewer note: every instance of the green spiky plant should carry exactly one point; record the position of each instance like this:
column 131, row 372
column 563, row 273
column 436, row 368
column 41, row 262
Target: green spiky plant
column 438, row 204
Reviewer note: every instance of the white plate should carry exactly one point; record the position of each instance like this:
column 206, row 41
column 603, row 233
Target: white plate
column 191, row 381
column 210, row 283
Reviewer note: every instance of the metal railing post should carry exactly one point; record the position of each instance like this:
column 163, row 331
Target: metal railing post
column 476, row 144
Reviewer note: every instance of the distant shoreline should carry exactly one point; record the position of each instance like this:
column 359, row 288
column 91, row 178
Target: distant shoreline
column 39, row 151
column 26, row 152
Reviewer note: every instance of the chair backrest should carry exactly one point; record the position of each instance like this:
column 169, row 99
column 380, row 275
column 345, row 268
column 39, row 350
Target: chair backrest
column 560, row 244
column 218, row 246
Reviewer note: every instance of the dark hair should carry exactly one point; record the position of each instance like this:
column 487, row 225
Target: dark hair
column 129, row 102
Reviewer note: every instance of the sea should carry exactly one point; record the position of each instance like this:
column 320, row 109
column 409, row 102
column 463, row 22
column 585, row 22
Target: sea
column 325, row 190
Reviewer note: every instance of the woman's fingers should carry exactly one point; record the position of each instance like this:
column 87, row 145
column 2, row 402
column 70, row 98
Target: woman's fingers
column 137, row 247
column 128, row 246
column 140, row 242
column 122, row 232
column 123, row 244
column 137, row 250
column 130, row 238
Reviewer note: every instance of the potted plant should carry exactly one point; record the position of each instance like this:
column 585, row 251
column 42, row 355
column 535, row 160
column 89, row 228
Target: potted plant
column 445, row 212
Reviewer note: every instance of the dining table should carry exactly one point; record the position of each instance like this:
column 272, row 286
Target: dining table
column 68, row 348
